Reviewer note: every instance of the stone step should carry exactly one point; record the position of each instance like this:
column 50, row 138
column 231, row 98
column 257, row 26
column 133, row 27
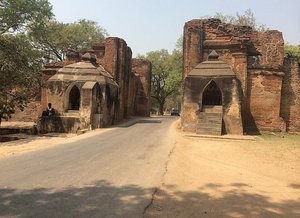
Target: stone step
column 209, row 123
column 71, row 113
column 212, row 109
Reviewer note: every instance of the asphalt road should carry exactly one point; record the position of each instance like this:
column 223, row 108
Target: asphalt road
column 110, row 174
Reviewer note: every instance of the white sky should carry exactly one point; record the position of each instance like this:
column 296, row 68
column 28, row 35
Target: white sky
column 148, row 25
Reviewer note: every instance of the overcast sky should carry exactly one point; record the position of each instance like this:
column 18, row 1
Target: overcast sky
column 148, row 25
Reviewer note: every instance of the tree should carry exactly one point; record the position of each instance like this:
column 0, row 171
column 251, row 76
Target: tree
column 54, row 38
column 166, row 75
column 20, row 66
column 245, row 19
column 292, row 51
column 19, row 60
column 16, row 14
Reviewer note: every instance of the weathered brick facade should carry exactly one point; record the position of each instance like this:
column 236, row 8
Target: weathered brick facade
column 142, row 70
column 290, row 96
column 257, row 59
column 115, row 57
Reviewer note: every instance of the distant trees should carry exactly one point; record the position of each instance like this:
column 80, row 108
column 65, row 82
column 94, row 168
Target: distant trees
column 292, row 51
column 166, row 76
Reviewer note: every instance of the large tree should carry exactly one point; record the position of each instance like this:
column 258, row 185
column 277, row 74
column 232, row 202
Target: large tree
column 19, row 60
column 17, row 14
column 166, row 75
column 54, row 38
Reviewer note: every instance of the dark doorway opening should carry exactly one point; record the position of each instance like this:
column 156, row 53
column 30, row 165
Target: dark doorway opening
column 212, row 95
column 74, row 98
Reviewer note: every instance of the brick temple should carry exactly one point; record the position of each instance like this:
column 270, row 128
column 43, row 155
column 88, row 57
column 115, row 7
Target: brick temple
column 236, row 80
column 92, row 88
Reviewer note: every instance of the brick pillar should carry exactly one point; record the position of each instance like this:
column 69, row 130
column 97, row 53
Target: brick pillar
column 192, row 46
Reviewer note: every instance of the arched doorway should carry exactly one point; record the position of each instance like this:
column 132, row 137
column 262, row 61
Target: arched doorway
column 74, row 98
column 210, row 118
column 212, row 95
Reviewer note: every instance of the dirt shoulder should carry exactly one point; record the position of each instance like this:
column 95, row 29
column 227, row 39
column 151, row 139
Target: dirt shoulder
column 33, row 143
column 230, row 178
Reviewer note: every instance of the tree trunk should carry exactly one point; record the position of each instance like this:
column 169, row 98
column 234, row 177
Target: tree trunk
column 161, row 109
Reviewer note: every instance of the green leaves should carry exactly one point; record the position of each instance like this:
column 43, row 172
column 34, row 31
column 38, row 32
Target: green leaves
column 20, row 61
column 292, row 51
column 55, row 38
column 245, row 19
column 166, row 75
column 20, row 66
column 16, row 14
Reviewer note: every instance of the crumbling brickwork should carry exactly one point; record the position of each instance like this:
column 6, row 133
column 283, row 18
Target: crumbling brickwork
column 115, row 57
column 256, row 59
column 290, row 97
column 142, row 69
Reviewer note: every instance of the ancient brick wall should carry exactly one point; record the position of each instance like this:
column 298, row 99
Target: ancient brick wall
column 255, row 57
column 290, row 102
column 115, row 56
column 264, row 102
column 29, row 114
column 143, row 69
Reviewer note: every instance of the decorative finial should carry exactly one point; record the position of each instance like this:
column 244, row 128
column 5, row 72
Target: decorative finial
column 213, row 56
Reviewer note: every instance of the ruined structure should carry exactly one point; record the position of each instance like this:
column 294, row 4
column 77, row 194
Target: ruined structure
column 235, row 80
column 142, row 70
column 94, row 88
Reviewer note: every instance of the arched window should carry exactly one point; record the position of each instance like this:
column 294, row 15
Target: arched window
column 74, row 98
column 212, row 95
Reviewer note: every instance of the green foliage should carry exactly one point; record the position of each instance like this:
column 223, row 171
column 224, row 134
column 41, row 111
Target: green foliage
column 166, row 75
column 292, row 51
column 55, row 38
column 15, row 14
column 20, row 62
column 245, row 19
column 20, row 66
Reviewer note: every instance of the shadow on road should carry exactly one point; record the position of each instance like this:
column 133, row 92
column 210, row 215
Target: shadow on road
column 103, row 199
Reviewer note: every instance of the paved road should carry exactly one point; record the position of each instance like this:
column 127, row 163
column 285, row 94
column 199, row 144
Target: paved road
column 110, row 174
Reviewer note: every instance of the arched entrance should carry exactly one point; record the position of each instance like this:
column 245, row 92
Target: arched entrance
column 212, row 95
column 74, row 98
column 210, row 116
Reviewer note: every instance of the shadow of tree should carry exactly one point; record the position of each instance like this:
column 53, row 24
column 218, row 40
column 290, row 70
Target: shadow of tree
column 102, row 199
column 236, row 202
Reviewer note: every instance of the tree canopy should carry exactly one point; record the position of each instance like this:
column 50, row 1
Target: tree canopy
column 292, row 51
column 166, row 75
column 54, row 38
column 20, row 62
column 17, row 14
column 30, row 35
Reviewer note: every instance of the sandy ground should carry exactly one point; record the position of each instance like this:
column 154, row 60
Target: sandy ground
column 230, row 178
column 33, row 143
column 210, row 177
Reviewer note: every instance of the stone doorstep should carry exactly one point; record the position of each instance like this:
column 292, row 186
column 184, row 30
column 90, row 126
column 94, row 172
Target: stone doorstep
column 225, row 137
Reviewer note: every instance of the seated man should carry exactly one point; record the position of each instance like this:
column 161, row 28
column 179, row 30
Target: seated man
column 49, row 111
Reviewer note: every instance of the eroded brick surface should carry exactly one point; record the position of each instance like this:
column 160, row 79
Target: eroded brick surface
column 268, row 89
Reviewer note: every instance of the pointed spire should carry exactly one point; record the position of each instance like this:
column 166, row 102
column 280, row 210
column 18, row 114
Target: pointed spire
column 213, row 56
